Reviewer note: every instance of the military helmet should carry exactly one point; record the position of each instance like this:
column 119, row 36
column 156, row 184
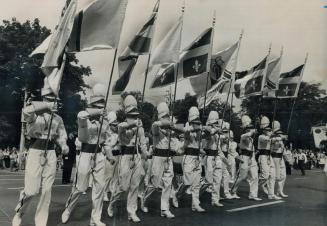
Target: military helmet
column 212, row 118
column 275, row 126
column 130, row 105
column 194, row 115
column 98, row 96
column 112, row 118
column 163, row 110
column 246, row 122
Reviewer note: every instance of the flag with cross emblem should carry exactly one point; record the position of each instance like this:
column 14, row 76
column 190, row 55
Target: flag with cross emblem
column 250, row 82
column 195, row 59
column 289, row 83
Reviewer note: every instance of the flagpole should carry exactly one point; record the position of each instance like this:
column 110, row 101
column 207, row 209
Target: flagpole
column 144, row 84
column 292, row 110
column 172, row 107
column 209, row 61
column 232, row 78
column 105, row 106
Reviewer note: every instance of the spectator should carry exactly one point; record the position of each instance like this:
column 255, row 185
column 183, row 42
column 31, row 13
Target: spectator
column 322, row 158
column 289, row 160
column 6, row 157
column 14, row 160
column 302, row 160
column 1, row 159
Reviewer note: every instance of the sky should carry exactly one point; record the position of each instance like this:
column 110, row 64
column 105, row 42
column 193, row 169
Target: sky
column 297, row 25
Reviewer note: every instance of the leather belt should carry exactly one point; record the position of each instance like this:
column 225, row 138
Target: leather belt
column 41, row 144
column 163, row 152
column 192, row 151
column 116, row 152
column 126, row 150
column 277, row 155
column 90, row 148
column 211, row 152
column 264, row 152
column 246, row 153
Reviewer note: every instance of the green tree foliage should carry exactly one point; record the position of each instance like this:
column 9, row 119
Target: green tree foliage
column 19, row 72
column 309, row 109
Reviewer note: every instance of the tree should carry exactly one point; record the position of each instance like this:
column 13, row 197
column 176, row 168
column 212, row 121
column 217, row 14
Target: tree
column 309, row 109
column 20, row 73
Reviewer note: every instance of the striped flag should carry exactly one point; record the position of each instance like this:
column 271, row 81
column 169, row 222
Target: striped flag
column 250, row 82
column 273, row 74
column 222, row 66
column 140, row 45
column 289, row 83
column 98, row 26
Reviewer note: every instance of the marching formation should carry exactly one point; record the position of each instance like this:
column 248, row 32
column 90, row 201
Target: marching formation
column 119, row 158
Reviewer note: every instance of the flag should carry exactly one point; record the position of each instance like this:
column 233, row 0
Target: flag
column 222, row 66
column 319, row 134
column 98, row 26
column 140, row 45
column 289, row 83
column 195, row 59
column 168, row 49
column 54, row 77
column 197, row 52
column 273, row 74
column 59, row 39
column 42, row 48
column 250, row 82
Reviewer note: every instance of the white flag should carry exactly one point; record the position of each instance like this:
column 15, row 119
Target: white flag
column 43, row 47
column 59, row 38
column 54, row 77
column 168, row 49
column 98, row 26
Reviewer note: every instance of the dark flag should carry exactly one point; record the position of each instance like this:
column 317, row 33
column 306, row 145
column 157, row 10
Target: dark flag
column 289, row 83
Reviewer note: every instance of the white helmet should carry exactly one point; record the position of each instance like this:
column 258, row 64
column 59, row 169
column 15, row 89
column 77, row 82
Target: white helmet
column 275, row 126
column 212, row 118
column 264, row 122
column 226, row 126
column 112, row 117
column 130, row 105
column 246, row 121
column 163, row 110
column 99, row 92
column 194, row 115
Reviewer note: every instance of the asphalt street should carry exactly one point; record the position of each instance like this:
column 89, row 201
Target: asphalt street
column 306, row 206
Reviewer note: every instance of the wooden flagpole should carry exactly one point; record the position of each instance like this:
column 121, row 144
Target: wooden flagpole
column 294, row 101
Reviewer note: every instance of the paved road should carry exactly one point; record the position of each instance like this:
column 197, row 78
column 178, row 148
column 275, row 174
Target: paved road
column 306, row 206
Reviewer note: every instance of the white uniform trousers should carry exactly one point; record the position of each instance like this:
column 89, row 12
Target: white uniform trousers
column 191, row 177
column 225, row 179
column 214, row 175
column 130, row 174
column 38, row 177
column 232, row 163
column 111, row 174
column 280, row 174
column 83, row 173
column 161, row 176
column 267, row 173
column 249, row 171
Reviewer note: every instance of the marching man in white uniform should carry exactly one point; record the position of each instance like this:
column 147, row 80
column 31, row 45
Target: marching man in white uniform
column 191, row 162
column 225, row 146
column 248, row 168
column 161, row 171
column 131, row 171
column 266, row 163
column 213, row 163
column 277, row 151
column 41, row 159
column 112, row 143
column 90, row 163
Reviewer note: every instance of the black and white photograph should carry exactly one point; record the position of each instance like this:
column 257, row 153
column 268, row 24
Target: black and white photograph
column 163, row 113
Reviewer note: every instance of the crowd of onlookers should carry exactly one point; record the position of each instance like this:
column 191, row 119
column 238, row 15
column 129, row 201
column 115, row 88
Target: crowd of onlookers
column 11, row 158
